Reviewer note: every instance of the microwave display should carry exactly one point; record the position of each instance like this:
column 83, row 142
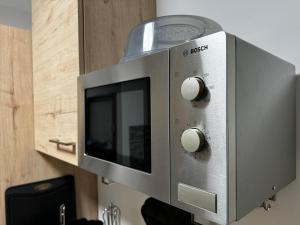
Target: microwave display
column 117, row 124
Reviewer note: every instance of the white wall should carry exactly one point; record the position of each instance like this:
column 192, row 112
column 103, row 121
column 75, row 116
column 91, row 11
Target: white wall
column 271, row 25
column 14, row 16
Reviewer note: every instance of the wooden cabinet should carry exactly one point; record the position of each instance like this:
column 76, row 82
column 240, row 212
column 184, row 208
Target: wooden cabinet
column 19, row 163
column 55, row 52
column 69, row 38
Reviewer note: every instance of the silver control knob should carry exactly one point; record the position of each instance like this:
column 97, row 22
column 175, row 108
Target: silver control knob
column 192, row 140
column 192, row 88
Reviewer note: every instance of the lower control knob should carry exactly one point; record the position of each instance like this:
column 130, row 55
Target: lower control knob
column 192, row 140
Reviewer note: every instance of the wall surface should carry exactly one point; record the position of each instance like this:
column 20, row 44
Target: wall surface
column 271, row 25
column 16, row 13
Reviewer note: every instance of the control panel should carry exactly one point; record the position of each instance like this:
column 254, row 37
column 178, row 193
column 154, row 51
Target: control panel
column 198, row 128
column 193, row 89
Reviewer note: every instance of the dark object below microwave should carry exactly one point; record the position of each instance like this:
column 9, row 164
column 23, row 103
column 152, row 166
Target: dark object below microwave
column 156, row 212
column 39, row 202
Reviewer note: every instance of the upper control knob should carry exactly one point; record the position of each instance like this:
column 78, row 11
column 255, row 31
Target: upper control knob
column 192, row 140
column 192, row 88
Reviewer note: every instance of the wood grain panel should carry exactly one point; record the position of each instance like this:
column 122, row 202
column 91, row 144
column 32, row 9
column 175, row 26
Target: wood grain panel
column 69, row 37
column 106, row 27
column 55, row 43
column 19, row 162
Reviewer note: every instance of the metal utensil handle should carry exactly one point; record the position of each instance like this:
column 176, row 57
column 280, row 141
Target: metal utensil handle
column 106, row 216
column 62, row 214
column 116, row 213
column 62, row 143
column 111, row 215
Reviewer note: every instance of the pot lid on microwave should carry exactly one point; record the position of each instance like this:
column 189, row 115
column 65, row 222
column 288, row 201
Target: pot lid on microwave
column 164, row 32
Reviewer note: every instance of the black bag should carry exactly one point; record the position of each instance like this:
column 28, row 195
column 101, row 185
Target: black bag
column 39, row 203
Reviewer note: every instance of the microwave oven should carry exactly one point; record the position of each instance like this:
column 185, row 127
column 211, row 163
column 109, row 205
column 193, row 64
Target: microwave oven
column 207, row 126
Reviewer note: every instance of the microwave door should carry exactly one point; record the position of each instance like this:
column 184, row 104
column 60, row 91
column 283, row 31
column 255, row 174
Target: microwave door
column 124, row 124
column 117, row 127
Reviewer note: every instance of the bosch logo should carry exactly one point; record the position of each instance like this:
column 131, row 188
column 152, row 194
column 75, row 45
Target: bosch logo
column 199, row 49
column 185, row 52
column 202, row 48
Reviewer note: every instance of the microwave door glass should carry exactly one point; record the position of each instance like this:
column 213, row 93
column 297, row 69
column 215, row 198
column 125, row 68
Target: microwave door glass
column 117, row 126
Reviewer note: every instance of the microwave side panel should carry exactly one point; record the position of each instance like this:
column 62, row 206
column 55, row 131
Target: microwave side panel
column 265, row 125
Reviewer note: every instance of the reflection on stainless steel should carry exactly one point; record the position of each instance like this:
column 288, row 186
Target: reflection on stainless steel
column 197, row 197
column 243, row 123
column 209, row 174
column 156, row 183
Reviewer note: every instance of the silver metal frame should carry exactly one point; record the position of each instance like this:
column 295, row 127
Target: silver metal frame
column 157, row 183
column 206, row 171
column 231, row 125
column 210, row 184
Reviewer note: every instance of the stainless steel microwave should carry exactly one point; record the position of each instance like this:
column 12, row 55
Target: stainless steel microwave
column 207, row 126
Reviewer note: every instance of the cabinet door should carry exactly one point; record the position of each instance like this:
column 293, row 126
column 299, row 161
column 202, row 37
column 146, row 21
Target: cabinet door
column 70, row 37
column 55, row 40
